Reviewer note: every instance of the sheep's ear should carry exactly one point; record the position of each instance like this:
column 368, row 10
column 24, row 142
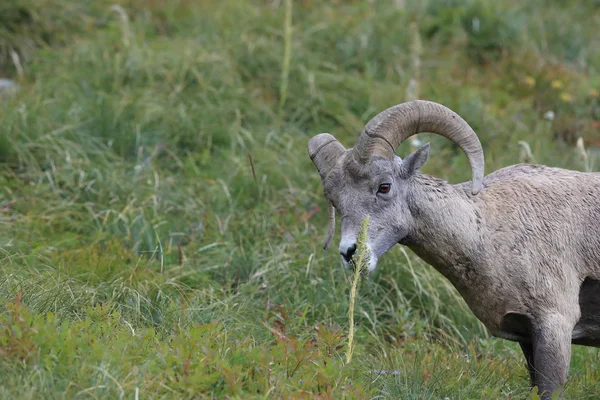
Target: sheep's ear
column 416, row 160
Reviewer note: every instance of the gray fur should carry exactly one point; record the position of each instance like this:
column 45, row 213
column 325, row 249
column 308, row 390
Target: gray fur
column 524, row 253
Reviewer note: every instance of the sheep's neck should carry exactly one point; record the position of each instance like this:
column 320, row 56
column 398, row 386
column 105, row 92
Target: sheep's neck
column 447, row 228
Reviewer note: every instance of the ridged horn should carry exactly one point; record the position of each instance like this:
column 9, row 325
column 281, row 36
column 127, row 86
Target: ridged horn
column 387, row 130
column 325, row 151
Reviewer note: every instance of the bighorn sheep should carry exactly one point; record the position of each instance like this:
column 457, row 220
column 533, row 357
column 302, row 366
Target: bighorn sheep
column 522, row 245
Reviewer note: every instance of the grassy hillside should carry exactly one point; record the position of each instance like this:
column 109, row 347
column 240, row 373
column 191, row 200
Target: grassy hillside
column 161, row 223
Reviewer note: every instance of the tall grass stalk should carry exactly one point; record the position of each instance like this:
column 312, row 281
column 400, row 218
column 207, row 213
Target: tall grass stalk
column 124, row 22
column 287, row 55
column 359, row 265
column 526, row 155
column 585, row 158
column 17, row 63
column 413, row 89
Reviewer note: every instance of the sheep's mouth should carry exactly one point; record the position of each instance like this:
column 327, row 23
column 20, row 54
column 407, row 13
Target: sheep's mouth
column 371, row 264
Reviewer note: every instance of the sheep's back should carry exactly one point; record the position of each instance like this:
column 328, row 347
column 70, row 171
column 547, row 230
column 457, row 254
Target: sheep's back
column 544, row 215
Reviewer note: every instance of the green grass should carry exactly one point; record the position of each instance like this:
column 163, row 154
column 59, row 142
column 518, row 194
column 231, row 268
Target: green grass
column 141, row 251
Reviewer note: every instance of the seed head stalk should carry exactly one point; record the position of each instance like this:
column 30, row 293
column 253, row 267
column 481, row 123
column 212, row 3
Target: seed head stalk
column 359, row 265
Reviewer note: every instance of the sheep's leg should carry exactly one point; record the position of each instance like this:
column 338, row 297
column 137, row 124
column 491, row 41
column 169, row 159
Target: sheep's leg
column 551, row 354
column 527, row 348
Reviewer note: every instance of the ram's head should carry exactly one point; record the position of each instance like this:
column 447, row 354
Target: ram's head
column 370, row 179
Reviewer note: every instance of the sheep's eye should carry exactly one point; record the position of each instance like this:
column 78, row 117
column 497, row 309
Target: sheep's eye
column 384, row 188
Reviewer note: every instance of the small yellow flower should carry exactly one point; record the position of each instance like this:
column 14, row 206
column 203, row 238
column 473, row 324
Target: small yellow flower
column 556, row 84
column 529, row 81
column 566, row 97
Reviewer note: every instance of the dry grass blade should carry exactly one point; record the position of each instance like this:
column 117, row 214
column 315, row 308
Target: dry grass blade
column 359, row 266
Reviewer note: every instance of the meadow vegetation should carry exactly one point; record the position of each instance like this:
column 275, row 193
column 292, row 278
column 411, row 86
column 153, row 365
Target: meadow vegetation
column 161, row 223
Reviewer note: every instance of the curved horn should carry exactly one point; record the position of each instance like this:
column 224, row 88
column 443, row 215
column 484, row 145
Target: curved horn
column 324, row 151
column 388, row 129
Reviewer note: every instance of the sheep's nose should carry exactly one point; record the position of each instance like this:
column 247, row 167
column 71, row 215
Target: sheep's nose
column 349, row 253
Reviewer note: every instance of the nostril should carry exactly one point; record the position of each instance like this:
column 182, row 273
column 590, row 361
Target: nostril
column 351, row 250
column 349, row 253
